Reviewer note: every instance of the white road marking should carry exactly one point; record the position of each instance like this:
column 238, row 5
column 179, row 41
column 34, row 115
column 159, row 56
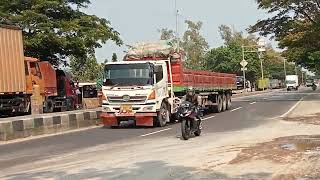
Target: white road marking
column 253, row 103
column 292, row 108
column 207, row 118
column 236, row 109
column 156, row 132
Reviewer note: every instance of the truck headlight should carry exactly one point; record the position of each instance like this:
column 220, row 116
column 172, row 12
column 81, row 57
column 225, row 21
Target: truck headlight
column 148, row 108
column 152, row 96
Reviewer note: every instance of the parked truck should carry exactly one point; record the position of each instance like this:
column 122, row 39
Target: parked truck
column 146, row 88
column 292, row 82
column 19, row 75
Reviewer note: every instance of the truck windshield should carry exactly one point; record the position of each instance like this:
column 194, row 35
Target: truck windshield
column 290, row 82
column 128, row 75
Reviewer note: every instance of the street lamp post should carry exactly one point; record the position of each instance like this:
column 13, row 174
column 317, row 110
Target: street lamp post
column 243, row 70
column 261, row 49
column 284, row 67
column 177, row 25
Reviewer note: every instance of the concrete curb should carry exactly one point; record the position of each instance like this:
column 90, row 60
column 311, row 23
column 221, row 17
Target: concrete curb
column 25, row 126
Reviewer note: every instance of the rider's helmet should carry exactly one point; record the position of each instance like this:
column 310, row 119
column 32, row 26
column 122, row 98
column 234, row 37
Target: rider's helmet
column 190, row 91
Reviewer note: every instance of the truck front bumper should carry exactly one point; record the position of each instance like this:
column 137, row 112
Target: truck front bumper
column 140, row 119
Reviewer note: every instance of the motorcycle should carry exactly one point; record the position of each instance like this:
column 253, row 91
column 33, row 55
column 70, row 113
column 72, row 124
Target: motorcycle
column 190, row 124
column 314, row 87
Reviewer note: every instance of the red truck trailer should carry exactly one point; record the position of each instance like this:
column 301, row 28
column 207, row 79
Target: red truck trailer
column 148, row 86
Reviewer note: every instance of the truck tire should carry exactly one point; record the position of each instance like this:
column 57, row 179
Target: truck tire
column 218, row 107
column 228, row 101
column 163, row 116
column 48, row 106
column 70, row 104
column 28, row 108
column 224, row 102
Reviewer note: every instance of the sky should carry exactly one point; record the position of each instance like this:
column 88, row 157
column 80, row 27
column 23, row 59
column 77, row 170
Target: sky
column 139, row 20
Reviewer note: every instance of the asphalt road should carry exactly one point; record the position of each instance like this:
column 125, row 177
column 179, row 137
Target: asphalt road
column 246, row 112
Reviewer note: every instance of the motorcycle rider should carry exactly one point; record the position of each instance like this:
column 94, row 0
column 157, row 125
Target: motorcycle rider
column 195, row 99
column 314, row 86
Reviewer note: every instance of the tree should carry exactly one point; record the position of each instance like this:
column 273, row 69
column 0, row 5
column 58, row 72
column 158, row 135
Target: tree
column 194, row 44
column 55, row 30
column 166, row 34
column 227, row 58
column 114, row 57
column 295, row 24
column 90, row 71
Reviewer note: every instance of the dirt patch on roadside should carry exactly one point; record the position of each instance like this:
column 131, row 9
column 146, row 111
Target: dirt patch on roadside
column 281, row 150
column 301, row 150
column 310, row 119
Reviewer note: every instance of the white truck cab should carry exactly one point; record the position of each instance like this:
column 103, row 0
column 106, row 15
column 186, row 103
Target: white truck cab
column 137, row 91
column 292, row 82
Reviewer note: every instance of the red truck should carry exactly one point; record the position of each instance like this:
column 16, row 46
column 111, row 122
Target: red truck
column 147, row 87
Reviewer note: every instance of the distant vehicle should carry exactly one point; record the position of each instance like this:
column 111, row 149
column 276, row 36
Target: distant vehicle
column 240, row 82
column 275, row 84
column 292, row 82
column 310, row 82
column 146, row 88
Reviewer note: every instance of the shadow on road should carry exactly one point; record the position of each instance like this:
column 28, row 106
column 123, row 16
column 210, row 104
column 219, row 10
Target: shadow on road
column 142, row 170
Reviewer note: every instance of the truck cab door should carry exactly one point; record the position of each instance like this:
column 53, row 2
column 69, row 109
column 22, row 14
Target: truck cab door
column 36, row 76
column 161, row 81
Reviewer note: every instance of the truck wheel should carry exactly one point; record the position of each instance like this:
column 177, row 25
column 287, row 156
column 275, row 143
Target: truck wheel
column 218, row 107
column 224, row 102
column 70, row 104
column 228, row 101
column 163, row 116
column 48, row 106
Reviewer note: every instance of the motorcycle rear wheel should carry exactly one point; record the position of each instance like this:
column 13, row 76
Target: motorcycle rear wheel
column 185, row 129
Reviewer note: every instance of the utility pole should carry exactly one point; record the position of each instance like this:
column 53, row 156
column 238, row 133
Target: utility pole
column 177, row 25
column 285, row 69
column 261, row 64
column 244, row 63
column 302, row 78
column 261, row 49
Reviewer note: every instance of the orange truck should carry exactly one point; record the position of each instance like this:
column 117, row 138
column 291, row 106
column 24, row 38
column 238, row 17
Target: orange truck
column 19, row 74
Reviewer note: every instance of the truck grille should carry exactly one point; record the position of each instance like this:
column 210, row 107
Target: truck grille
column 131, row 99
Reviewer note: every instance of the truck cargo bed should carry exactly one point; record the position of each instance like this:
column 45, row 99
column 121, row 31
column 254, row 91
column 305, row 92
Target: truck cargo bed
column 12, row 69
column 201, row 80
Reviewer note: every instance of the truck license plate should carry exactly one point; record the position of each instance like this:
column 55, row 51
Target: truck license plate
column 126, row 109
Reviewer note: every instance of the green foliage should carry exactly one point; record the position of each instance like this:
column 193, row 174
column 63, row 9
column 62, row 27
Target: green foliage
column 166, row 34
column 114, row 57
column 88, row 71
column 295, row 24
column 54, row 29
column 227, row 58
column 193, row 43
